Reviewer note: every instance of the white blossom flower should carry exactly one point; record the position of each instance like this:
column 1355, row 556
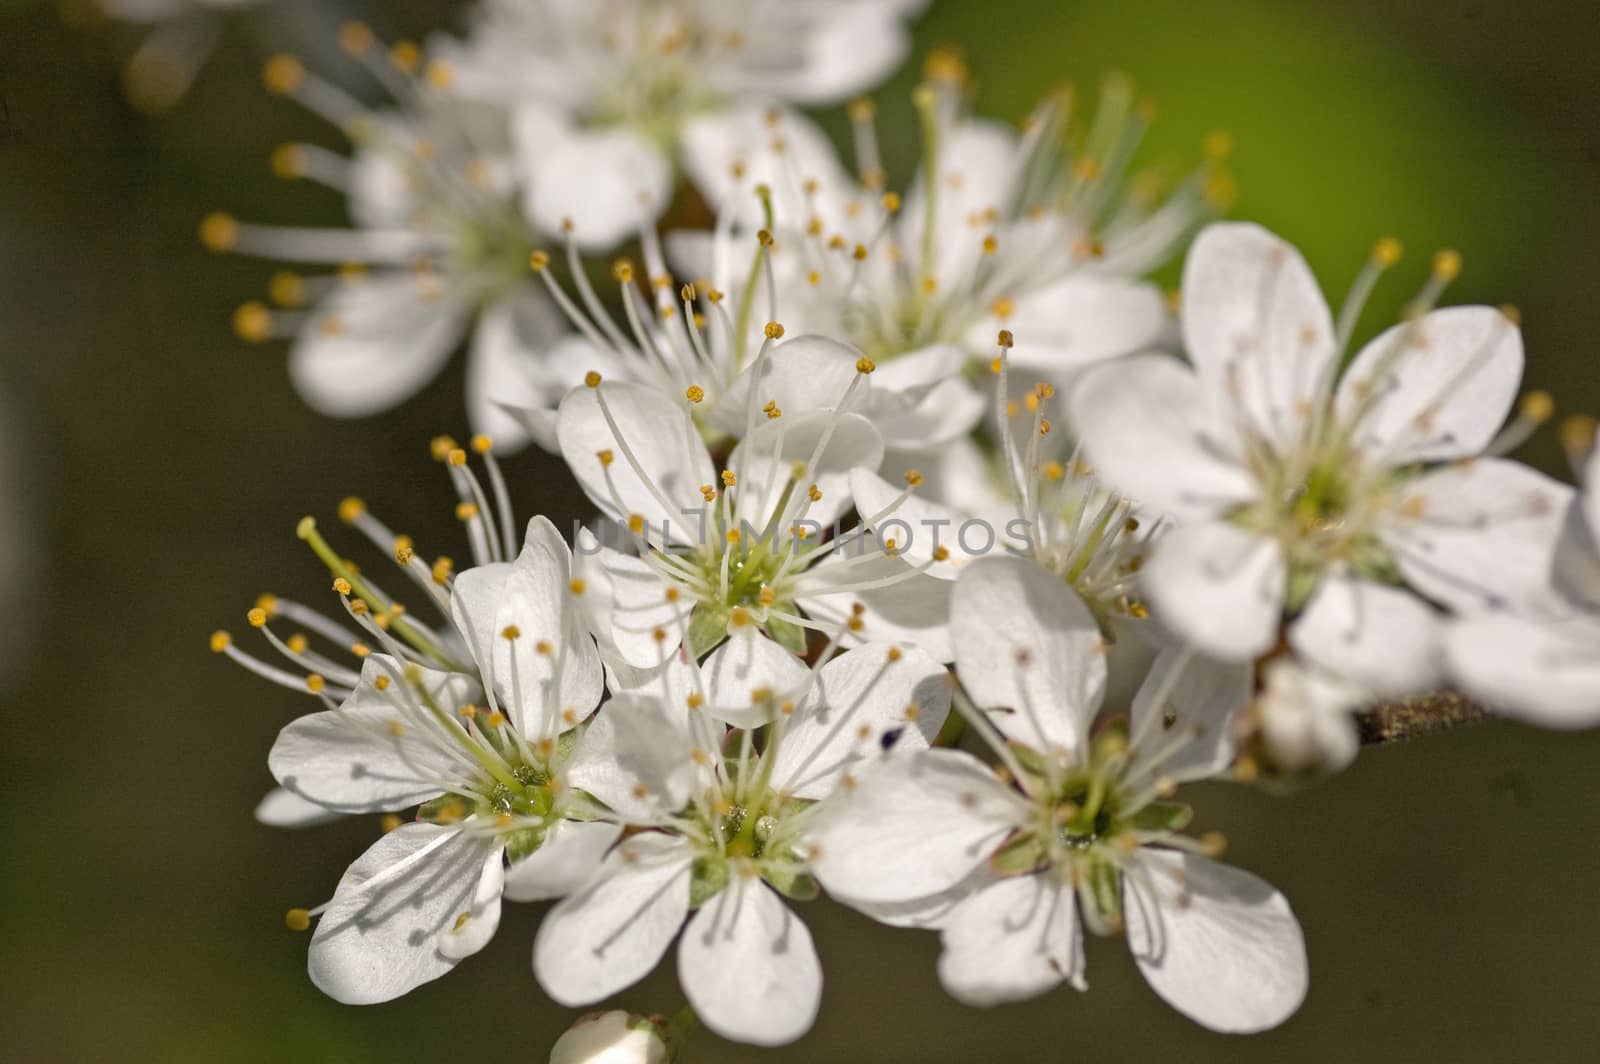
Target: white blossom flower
column 614, row 1037
column 1540, row 661
column 476, row 723
column 1351, row 501
column 999, row 229
column 723, row 825
column 1301, row 724
column 605, row 92
column 438, row 248
column 1076, row 832
column 715, row 551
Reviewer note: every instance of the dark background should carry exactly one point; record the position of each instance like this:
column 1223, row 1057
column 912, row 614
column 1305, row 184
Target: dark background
column 1450, row 887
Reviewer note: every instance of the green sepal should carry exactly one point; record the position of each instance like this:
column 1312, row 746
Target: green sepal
column 1161, row 816
column 708, row 627
column 1032, row 761
column 1105, row 888
column 1302, row 584
column 707, row 877
column 567, row 741
column 1022, row 853
column 786, row 634
column 520, row 844
column 445, row 809
column 799, row 886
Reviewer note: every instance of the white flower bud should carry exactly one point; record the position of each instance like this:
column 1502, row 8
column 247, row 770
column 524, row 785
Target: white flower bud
column 1305, row 719
column 614, row 1037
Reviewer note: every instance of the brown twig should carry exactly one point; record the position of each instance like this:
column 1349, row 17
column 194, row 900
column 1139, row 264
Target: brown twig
column 1422, row 715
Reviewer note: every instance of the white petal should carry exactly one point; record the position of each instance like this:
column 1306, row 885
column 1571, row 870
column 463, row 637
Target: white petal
column 1012, row 941
column 607, row 181
column 1256, row 325
column 848, row 49
column 918, row 526
column 613, row 1037
column 1591, row 493
column 930, row 912
column 472, row 929
column 1219, row 588
column 635, row 757
column 748, row 966
column 372, row 345
column 911, row 826
column 1485, row 537
column 802, row 375
column 944, row 413
column 860, row 696
column 748, row 663
column 1383, row 638
column 716, row 144
column 912, row 610
column 1201, row 702
column 638, row 601
column 571, row 852
column 282, row 808
column 977, row 173
column 1435, row 389
column 1545, row 673
column 661, row 438
column 506, row 368
column 351, row 760
column 1081, row 319
column 1219, row 945
column 1144, row 424
column 612, row 932
column 376, row 942
column 1028, row 651
column 764, row 462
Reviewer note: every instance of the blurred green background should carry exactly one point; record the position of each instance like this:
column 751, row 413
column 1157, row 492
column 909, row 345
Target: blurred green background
column 1450, row 887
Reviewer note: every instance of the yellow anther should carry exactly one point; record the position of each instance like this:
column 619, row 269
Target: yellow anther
column 286, row 289
column 351, row 508
column 687, row 292
column 990, row 245
column 538, row 261
column 441, row 76
column 576, row 586
column 714, row 295
column 282, row 74
column 510, row 631
column 865, row 365
column 1031, row 401
column 406, row 56
column 351, row 272
column 946, row 65
column 739, row 617
column 733, row 535
column 1086, row 169
column 941, row 553
column 1005, row 339
column 297, row 919
column 381, row 683
column 543, row 647
column 636, row 523
column 859, row 252
column 257, row 617
column 467, row 712
column 930, row 285
column 481, row 444
column 891, row 202
column 220, row 641
column 297, row 643
column 341, row 585
column 1044, row 426
column 659, row 634
column 1447, row 264
column 355, row 38
column 862, row 109
column 766, row 596
column 814, row 493
column 252, row 322
column 497, row 719
column 1538, row 407
column 1578, row 434
column 764, row 238
column 1213, row 843
column 695, row 700
column 315, row 683
column 622, row 270
column 771, row 410
column 1511, row 314
column 466, row 511
column 1387, row 252
column 268, row 602
column 913, row 478
column 1221, row 190
column 288, row 161
column 331, row 325
column 591, row 379
column 456, row 457
column 855, row 624
column 606, row 457
column 441, row 570
column 773, row 330
column 728, row 478
column 694, row 393
column 1217, row 145
column 708, row 493
column 390, row 822
column 360, row 650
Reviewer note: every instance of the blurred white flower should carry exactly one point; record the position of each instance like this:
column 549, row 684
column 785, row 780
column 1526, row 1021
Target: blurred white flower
column 1076, row 831
column 1302, row 724
column 605, row 91
column 1353, row 502
column 716, row 827
column 614, row 1037
column 1540, row 661
column 438, row 250
column 180, row 39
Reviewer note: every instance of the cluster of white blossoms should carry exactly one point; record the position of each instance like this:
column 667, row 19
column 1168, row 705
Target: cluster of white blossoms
column 937, row 549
